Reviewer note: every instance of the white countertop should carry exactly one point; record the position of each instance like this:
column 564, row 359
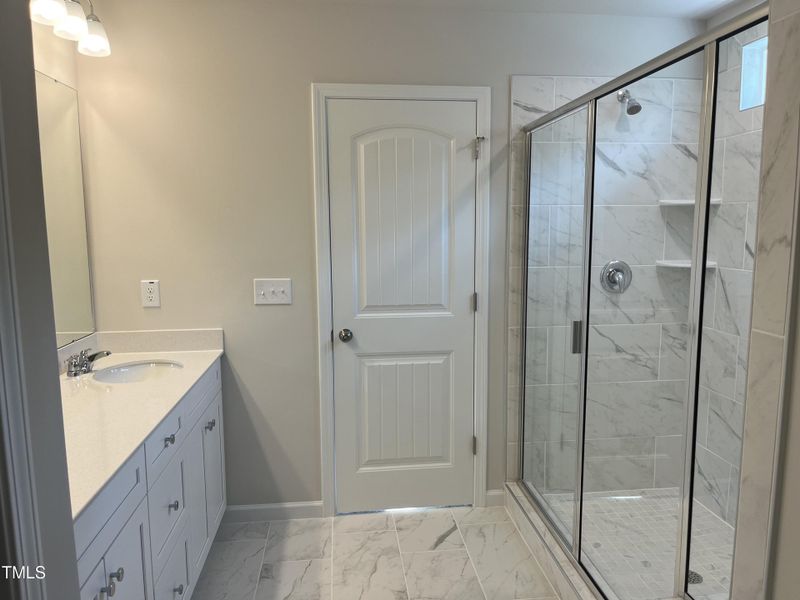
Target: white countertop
column 105, row 423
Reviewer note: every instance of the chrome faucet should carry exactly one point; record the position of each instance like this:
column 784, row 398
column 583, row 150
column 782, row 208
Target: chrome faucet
column 79, row 364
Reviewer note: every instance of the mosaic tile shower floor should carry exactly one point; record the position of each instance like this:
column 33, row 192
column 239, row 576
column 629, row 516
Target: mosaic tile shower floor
column 630, row 537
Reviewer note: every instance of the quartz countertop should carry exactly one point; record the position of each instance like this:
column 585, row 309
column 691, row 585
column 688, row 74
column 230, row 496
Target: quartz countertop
column 104, row 423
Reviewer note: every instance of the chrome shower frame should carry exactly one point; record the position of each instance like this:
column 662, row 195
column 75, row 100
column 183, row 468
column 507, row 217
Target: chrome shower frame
column 708, row 44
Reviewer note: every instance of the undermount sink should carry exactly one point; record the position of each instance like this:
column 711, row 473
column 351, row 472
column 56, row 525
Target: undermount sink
column 136, row 372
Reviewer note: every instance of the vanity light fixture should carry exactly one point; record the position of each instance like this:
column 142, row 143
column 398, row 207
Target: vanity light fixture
column 70, row 22
column 73, row 25
column 95, row 42
column 48, row 12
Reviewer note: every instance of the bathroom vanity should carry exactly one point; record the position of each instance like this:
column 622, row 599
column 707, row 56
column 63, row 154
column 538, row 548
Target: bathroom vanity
column 144, row 440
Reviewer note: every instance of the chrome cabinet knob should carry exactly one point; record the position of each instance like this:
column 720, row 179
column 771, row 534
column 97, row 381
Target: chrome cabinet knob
column 109, row 590
column 179, row 590
column 119, row 574
column 345, row 335
column 174, row 505
column 211, row 424
column 170, row 439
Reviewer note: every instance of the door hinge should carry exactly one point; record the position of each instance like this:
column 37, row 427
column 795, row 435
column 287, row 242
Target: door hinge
column 474, row 445
column 478, row 145
column 332, row 339
column 475, row 301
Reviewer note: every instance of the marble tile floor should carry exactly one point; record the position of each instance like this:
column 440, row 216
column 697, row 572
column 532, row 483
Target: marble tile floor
column 427, row 554
column 630, row 540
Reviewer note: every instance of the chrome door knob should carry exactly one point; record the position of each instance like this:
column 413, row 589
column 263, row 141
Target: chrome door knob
column 345, row 335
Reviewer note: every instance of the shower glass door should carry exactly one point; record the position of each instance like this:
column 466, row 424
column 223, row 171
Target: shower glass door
column 637, row 368
column 554, row 291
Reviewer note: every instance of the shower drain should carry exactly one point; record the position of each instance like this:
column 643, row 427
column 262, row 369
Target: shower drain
column 694, row 578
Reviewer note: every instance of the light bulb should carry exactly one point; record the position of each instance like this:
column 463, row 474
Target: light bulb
column 47, row 12
column 73, row 25
column 95, row 42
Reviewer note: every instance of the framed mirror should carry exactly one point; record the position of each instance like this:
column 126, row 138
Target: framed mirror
column 62, row 178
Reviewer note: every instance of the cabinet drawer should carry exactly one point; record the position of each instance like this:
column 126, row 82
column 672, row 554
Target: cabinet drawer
column 122, row 493
column 167, row 507
column 173, row 583
column 162, row 445
column 202, row 392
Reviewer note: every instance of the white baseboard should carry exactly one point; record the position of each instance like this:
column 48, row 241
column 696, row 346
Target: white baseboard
column 495, row 497
column 273, row 512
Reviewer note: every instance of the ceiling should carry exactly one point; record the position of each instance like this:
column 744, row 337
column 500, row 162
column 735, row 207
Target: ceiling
column 688, row 9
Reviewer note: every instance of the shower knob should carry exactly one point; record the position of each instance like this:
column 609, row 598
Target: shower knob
column 616, row 276
column 345, row 335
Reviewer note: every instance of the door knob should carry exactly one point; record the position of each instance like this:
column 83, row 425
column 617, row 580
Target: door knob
column 345, row 335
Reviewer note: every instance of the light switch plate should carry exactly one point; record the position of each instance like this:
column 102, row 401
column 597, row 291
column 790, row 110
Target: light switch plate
column 151, row 293
column 272, row 291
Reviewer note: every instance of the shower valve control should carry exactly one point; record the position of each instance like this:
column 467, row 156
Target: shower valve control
column 616, row 276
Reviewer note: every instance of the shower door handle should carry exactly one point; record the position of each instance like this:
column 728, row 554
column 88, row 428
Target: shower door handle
column 577, row 335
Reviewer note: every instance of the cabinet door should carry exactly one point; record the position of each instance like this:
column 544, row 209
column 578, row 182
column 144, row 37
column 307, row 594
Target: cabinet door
column 91, row 589
column 194, row 479
column 167, row 503
column 214, row 459
column 173, row 583
column 128, row 558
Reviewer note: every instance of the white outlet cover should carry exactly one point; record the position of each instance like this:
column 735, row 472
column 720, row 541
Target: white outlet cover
column 272, row 291
column 151, row 293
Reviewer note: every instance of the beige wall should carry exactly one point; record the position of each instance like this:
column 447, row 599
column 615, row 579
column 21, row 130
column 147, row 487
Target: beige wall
column 197, row 151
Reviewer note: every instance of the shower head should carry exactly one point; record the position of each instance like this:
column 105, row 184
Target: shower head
column 632, row 106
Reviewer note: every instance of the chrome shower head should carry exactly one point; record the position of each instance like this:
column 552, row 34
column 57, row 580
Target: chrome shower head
column 632, row 106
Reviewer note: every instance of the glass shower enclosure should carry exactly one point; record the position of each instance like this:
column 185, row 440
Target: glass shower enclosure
column 641, row 222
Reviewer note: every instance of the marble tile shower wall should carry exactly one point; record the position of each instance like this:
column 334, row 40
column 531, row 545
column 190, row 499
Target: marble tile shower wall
column 732, row 226
column 641, row 160
column 635, row 410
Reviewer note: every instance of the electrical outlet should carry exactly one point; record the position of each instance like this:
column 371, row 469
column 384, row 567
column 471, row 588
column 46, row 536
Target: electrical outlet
column 272, row 291
column 151, row 293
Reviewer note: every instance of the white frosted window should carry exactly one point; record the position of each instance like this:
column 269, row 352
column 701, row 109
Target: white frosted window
column 754, row 74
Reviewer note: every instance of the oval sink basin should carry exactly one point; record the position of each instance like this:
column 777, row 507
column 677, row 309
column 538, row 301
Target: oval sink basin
column 136, row 372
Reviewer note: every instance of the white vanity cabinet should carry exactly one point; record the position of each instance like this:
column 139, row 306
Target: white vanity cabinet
column 148, row 531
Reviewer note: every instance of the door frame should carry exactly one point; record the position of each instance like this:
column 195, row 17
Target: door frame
column 320, row 94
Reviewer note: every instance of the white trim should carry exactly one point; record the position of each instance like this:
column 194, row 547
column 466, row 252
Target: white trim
column 273, row 512
column 495, row 498
column 320, row 93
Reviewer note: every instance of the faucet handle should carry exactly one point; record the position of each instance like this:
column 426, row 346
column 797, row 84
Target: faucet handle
column 74, row 365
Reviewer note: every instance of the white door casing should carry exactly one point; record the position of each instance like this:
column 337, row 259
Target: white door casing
column 406, row 201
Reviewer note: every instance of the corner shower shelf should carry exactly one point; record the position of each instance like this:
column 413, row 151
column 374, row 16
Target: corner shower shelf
column 682, row 264
column 688, row 202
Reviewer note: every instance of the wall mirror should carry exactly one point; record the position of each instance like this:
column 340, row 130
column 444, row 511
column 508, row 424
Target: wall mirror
column 62, row 178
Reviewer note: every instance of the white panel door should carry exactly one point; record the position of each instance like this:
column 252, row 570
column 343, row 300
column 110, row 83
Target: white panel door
column 402, row 202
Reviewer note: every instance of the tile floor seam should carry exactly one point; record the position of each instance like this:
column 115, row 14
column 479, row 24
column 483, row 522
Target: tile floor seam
column 536, row 560
column 469, row 556
column 402, row 562
column 261, row 563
